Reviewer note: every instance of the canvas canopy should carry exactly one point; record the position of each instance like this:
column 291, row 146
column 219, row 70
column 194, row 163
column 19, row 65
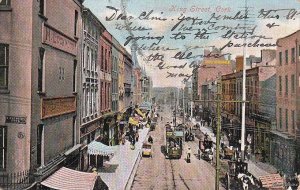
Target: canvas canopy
column 68, row 179
column 146, row 106
column 140, row 113
column 98, row 148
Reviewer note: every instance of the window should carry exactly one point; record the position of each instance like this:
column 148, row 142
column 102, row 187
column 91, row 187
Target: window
column 95, row 61
column 280, row 58
column 91, row 101
column 75, row 22
column 280, row 118
column 293, row 55
column 87, row 101
column 105, row 64
column 74, row 131
column 286, row 85
column 39, row 144
column 293, row 119
column 286, row 56
column 61, row 75
column 4, row 55
column 3, row 147
column 280, row 84
column 286, row 119
column 41, row 69
column 88, row 59
column 42, row 7
column 102, row 58
column 293, row 83
column 4, row 3
column 74, row 75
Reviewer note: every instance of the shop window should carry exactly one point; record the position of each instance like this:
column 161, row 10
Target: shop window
column 3, row 147
column 4, row 62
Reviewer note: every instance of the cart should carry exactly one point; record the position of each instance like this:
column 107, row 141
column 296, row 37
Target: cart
column 272, row 182
column 152, row 126
column 235, row 167
column 227, row 153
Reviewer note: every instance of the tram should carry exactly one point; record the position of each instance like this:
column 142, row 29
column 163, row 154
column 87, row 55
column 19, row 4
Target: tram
column 174, row 139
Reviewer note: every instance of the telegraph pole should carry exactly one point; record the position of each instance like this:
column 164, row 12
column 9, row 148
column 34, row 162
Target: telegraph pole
column 183, row 106
column 218, row 135
column 219, row 103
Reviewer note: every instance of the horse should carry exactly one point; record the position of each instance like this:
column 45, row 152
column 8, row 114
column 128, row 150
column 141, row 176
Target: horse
column 246, row 179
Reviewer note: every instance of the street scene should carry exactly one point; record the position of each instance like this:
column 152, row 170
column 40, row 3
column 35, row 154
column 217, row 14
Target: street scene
column 149, row 95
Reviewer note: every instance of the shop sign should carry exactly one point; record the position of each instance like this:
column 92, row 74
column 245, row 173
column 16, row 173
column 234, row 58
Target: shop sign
column 52, row 107
column 15, row 120
column 59, row 40
column 216, row 62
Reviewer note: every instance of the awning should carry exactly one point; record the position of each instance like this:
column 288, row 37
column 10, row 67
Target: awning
column 68, row 179
column 140, row 113
column 74, row 148
column 272, row 181
column 133, row 121
column 98, row 148
column 146, row 106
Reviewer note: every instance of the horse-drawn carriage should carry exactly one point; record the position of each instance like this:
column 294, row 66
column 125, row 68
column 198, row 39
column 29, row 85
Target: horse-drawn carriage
column 206, row 149
column 226, row 152
column 238, row 176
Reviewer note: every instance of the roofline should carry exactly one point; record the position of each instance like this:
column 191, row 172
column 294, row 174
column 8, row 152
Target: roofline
column 288, row 35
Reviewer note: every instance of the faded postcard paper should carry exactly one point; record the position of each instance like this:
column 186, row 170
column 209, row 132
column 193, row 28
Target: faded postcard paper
column 129, row 94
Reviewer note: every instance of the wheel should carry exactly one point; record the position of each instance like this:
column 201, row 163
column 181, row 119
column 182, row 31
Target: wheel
column 227, row 181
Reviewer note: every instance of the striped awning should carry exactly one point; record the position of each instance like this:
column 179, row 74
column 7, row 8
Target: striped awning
column 98, row 148
column 68, row 179
column 140, row 113
column 133, row 121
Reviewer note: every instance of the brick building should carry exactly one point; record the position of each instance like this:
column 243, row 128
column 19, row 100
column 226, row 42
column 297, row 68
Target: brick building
column 260, row 110
column 38, row 85
column 284, row 147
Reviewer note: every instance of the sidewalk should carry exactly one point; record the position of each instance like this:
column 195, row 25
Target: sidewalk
column 124, row 161
column 257, row 169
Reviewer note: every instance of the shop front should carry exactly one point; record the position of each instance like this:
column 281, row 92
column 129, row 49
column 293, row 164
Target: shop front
column 262, row 139
column 283, row 152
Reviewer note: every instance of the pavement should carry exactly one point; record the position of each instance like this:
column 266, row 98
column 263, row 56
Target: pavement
column 255, row 168
column 117, row 171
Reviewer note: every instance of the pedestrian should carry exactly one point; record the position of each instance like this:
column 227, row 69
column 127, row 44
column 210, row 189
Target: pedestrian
column 137, row 136
column 189, row 152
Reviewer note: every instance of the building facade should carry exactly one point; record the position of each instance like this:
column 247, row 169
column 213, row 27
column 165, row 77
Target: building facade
column 128, row 74
column 286, row 133
column 260, row 108
column 38, row 85
column 89, row 109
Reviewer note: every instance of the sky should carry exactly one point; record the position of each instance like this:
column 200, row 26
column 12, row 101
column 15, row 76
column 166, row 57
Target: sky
column 197, row 16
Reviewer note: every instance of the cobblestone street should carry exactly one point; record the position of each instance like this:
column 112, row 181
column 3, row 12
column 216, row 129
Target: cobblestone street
column 161, row 173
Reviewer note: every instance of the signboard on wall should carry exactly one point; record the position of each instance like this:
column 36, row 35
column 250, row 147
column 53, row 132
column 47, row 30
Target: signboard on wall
column 15, row 119
column 52, row 107
column 57, row 39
